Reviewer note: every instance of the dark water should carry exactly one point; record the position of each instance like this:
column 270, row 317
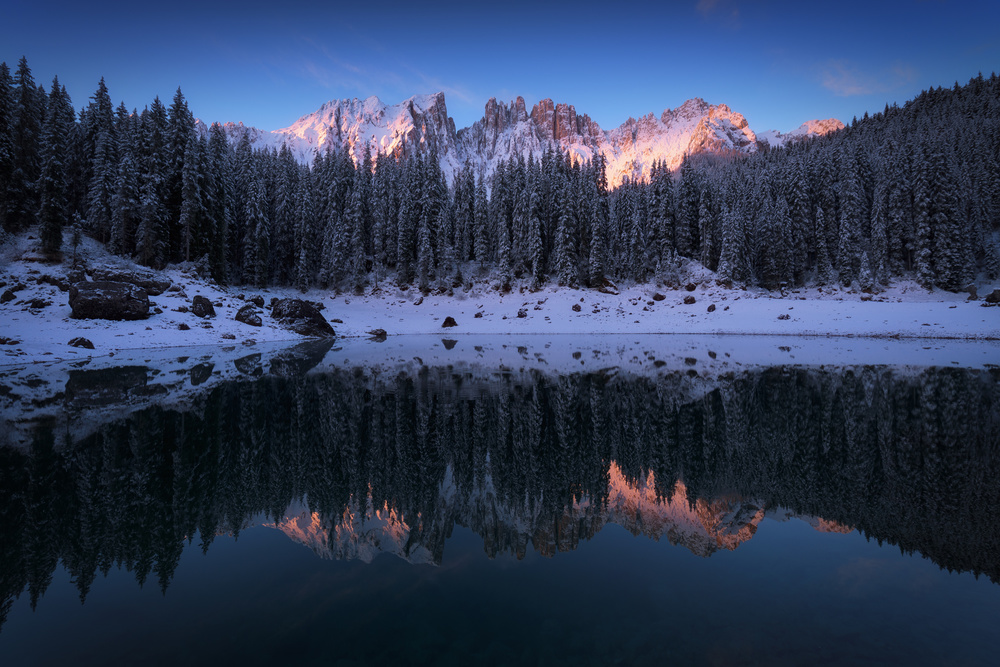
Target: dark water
column 770, row 516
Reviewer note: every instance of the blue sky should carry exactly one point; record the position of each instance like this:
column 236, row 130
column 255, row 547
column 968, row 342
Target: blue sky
column 266, row 64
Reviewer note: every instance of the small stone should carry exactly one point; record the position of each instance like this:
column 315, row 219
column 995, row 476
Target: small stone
column 522, row 313
column 419, row 301
column 690, row 287
column 993, row 297
column 337, row 320
column 478, row 315
column 784, row 316
column 229, row 336
column 378, row 335
column 711, row 308
column 449, row 322
column 183, row 327
column 576, row 308
column 658, row 297
column 688, row 300
column 257, row 300
column 80, row 341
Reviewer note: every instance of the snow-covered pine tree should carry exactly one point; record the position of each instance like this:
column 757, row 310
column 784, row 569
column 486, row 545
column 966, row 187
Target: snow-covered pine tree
column 6, row 141
column 28, row 112
column 101, row 146
column 481, row 218
column 824, row 265
column 125, row 204
column 192, row 213
column 52, row 186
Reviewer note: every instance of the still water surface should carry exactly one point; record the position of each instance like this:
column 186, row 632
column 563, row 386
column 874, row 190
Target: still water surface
column 782, row 515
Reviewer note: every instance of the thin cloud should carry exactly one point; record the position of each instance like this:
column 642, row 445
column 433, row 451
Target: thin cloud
column 845, row 79
column 705, row 7
column 726, row 9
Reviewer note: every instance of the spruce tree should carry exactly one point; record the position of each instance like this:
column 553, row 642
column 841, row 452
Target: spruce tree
column 22, row 196
column 6, row 141
column 52, row 185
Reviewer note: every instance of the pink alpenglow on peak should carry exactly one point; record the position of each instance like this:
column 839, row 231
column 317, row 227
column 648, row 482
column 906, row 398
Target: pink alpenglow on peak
column 509, row 130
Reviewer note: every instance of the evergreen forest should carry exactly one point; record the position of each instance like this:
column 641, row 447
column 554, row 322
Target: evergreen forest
column 909, row 192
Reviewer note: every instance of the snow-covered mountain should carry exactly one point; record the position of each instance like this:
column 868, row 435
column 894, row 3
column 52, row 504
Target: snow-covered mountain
column 508, row 129
column 812, row 128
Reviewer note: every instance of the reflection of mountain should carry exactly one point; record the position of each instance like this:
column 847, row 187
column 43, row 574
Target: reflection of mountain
column 908, row 458
column 701, row 526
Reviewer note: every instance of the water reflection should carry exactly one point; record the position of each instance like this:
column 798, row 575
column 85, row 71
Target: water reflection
column 354, row 463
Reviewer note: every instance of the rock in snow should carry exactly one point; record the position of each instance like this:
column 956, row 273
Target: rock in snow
column 106, row 300
column 302, row 318
column 248, row 315
column 202, row 307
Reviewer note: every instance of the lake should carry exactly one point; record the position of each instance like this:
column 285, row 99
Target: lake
column 304, row 507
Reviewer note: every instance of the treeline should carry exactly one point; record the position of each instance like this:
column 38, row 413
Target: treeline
column 911, row 191
column 910, row 459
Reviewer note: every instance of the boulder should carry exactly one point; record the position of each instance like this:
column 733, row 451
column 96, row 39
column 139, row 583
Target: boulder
column 257, row 300
column 8, row 296
column 80, row 341
column 658, row 297
column 711, row 308
column 449, row 322
column 107, row 300
column 993, row 297
column 688, row 300
column 302, row 318
column 378, row 335
column 202, row 307
column 152, row 283
column 248, row 315
column 577, row 308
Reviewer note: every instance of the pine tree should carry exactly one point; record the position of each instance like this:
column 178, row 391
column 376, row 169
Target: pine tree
column 125, row 205
column 192, row 216
column 878, row 249
column 6, row 141
column 22, row 197
column 565, row 262
column 824, row 267
column 102, row 147
column 52, row 185
column 150, row 246
column 686, row 238
column 481, row 224
column 595, row 265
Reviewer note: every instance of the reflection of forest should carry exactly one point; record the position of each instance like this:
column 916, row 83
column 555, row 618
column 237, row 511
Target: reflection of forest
column 907, row 458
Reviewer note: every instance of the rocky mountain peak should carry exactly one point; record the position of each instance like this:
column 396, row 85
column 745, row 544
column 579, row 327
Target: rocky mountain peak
column 507, row 130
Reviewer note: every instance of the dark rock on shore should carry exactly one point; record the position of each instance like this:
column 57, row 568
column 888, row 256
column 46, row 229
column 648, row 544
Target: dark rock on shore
column 248, row 315
column 106, row 300
column 202, row 307
column 302, row 318
column 152, row 283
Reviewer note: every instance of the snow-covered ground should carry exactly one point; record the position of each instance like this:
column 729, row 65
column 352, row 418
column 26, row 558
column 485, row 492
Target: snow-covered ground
column 561, row 314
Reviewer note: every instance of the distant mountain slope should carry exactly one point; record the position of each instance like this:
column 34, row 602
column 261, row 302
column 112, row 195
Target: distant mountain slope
column 508, row 130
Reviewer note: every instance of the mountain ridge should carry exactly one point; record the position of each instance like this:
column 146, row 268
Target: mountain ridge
column 508, row 129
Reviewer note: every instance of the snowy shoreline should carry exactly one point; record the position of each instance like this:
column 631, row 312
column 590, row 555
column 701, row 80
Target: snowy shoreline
column 699, row 308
